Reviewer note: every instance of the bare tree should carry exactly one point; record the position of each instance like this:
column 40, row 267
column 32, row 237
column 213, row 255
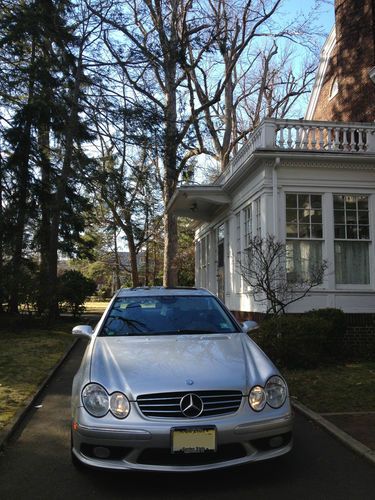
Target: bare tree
column 263, row 268
column 183, row 58
column 259, row 81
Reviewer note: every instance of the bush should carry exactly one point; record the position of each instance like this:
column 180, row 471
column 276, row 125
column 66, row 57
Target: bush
column 334, row 342
column 73, row 289
column 303, row 341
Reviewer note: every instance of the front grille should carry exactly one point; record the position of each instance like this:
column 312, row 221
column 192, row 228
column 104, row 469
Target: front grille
column 167, row 404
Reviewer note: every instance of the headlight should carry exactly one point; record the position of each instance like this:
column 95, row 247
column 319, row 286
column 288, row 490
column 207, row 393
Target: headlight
column 276, row 391
column 119, row 405
column 257, row 398
column 95, row 400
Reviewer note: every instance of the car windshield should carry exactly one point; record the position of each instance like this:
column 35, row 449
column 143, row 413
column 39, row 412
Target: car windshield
column 167, row 315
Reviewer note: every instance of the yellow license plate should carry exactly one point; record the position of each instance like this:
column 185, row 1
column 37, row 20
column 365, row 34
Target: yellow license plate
column 193, row 440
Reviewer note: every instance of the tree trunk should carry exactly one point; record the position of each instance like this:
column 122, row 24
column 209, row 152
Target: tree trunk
column 147, row 252
column 117, row 261
column 45, row 225
column 227, row 139
column 170, row 179
column 60, row 195
column 132, row 250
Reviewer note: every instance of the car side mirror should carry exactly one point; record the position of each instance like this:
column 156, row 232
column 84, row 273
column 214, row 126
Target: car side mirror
column 83, row 331
column 249, row 325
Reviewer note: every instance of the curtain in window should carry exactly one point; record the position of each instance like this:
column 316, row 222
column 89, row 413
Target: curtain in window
column 352, row 263
column 302, row 258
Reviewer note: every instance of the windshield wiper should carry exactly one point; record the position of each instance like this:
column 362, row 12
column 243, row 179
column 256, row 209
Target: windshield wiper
column 187, row 331
column 131, row 322
column 176, row 332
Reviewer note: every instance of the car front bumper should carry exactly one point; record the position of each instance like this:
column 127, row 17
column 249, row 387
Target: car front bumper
column 140, row 443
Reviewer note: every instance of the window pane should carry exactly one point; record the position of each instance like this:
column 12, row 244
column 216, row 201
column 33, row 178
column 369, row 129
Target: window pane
column 220, row 232
column 304, row 216
column 350, row 202
column 338, row 201
column 291, row 231
column 304, row 231
column 340, row 232
column 316, row 216
column 339, row 217
column 291, row 201
column 291, row 216
column 362, row 202
column 316, row 231
column 363, row 217
column 316, row 201
column 303, row 258
column 304, row 201
column 351, row 232
column 352, row 263
column 364, row 232
column 351, row 217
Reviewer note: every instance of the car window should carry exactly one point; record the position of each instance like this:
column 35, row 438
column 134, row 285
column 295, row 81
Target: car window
column 167, row 315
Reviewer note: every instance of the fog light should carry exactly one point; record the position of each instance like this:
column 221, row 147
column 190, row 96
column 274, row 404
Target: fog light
column 101, row 452
column 276, row 441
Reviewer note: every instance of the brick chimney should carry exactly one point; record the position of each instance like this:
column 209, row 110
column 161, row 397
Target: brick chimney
column 347, row 92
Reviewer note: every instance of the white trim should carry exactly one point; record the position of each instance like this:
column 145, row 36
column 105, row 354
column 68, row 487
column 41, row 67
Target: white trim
column 325, row 56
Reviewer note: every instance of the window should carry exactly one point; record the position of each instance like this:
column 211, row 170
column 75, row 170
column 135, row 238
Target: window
column 352, row 236
column 220, row 246
column 258, row 218
column 203, row 259
column 248, row 223
column 304, row 233
column 334, row 88
column 237, row 263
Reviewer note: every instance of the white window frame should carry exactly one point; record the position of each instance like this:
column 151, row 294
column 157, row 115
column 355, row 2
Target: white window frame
column 353, row 286
column 306, row 239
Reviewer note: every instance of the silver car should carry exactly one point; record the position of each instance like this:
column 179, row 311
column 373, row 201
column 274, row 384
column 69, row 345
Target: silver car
column 171, row 382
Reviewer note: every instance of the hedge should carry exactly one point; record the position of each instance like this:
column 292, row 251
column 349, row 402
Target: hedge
column 304, row 340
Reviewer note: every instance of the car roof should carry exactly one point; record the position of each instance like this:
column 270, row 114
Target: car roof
column 152, row 291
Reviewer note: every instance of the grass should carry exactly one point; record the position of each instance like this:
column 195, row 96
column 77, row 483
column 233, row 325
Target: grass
column 96, row 307
column 26, row 357
column 344, row 388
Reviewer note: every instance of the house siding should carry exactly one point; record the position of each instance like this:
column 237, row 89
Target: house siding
column 319, row 177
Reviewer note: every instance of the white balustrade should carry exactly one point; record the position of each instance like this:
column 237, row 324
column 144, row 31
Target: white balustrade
column 324, row 136
column 298, row 135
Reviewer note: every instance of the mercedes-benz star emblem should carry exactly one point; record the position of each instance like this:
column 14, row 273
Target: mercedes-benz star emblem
column 191, row 405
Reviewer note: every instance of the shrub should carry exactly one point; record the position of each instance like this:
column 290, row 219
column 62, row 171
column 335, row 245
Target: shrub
column 73, row 289
column 334, row 342
column 300, row 341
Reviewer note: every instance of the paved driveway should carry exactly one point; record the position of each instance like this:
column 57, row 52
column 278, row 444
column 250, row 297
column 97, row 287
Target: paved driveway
column 37, row 465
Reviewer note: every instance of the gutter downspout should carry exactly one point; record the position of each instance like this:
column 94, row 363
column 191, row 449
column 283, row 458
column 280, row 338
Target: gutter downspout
column 275, row 199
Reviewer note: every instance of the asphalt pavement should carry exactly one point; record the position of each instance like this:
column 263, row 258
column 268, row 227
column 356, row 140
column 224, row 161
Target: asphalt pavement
column 36, row 464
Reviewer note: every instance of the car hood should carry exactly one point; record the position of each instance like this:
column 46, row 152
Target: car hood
column 142, row 365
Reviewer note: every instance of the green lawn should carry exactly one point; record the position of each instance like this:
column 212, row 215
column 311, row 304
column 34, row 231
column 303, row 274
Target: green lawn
column 350, row 387
column 96, row 307
column 26, row 357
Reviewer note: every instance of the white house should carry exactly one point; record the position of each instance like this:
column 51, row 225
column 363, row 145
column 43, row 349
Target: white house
column 310, row 184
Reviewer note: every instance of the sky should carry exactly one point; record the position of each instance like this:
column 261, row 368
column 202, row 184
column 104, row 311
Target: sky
column 326, row 9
